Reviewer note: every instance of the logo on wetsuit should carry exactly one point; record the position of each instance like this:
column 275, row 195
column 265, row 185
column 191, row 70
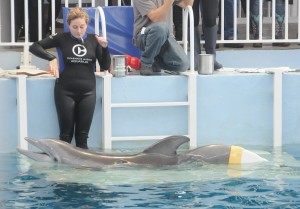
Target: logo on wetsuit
column 79, row 50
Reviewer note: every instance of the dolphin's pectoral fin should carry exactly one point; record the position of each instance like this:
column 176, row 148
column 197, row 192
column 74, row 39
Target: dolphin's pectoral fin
column 168, row 145
column 43, row 157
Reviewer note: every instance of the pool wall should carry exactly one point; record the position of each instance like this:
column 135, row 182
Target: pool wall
column 232, row 108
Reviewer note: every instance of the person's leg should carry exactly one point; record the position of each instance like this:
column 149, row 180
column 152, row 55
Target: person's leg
column 280, row 15
column 47, row 28
column 254, row 20
column 151, row 43
column 254, row 17
column 83, row 119
column 33, row 20
column 210, row 13
column 228, row 19
column 197, row 45
column 172, row 57
column 244, row 6
column 65, row 108
column 49, row 19
column 19, row 19
column 126, row 2
column 228, row 24
column 57, row 8
column 177, row 19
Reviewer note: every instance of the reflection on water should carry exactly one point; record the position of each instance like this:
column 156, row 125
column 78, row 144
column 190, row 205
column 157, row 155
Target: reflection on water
column 28, row 184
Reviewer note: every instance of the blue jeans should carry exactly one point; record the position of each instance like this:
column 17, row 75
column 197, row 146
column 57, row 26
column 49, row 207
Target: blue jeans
column 279, row 16
column 160, row 49
column 228, row 19
column 254, row 17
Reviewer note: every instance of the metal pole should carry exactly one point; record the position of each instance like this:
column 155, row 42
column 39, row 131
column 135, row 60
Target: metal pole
column 277, row 108
column 106, row 112
column 22, row 111
column 52, row 17
column 40, row 18
column 13, row 22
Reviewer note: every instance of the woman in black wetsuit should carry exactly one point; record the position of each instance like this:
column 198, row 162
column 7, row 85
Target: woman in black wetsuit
column 75, row 86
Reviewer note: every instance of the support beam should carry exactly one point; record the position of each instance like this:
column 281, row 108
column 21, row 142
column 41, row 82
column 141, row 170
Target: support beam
column 277, row 108
column 22, row 110
column 106, row 111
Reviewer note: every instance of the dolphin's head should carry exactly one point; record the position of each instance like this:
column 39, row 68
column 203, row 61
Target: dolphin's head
column 50, row 149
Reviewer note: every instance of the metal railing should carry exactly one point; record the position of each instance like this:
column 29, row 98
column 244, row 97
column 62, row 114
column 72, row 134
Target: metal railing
column 267, row 17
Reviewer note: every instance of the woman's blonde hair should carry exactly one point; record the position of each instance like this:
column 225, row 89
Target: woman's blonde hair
column 77, row 13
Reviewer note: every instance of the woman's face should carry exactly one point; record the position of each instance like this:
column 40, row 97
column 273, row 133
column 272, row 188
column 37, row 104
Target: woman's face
column 78, row 27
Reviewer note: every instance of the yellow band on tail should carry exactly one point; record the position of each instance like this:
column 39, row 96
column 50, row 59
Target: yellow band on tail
column 235, row 156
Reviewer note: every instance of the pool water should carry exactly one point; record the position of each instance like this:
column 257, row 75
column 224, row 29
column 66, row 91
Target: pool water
column 25, row 183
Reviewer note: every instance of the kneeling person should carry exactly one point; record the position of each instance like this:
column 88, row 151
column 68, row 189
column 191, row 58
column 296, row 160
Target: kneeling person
column 153, row 28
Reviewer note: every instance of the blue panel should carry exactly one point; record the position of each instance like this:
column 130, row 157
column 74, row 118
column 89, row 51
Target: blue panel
column 42, row 118
column 235, row 108
column 291, row 108
column 149, row 121
column 149, row 89
column 259, row 58
column 96, row 131
column 9, row 115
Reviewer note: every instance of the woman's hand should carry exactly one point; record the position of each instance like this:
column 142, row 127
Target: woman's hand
column 54, row 67
column 102, row 41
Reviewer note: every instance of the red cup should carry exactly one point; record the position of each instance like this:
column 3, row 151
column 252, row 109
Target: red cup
column 135, row 63
column 128, row 59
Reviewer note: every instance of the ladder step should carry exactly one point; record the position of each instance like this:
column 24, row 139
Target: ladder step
column 150, row 104
column 133, row 138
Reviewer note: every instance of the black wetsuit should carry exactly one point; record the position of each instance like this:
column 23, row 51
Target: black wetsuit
column 75, row 93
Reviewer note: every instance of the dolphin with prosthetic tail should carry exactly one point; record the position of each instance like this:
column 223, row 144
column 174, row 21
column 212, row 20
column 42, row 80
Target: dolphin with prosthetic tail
column 162, row 153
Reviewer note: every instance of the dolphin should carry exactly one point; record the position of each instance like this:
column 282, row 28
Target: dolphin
column 162, row 153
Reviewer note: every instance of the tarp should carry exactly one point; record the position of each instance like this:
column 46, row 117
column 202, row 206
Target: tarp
column 119, row 28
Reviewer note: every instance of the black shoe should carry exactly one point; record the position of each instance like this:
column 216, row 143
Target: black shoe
column 172, row 72
column 281, row 44
column 257, row 45
column 146, row 70
column 234, row 45
column 217, row 66
column 155, row 68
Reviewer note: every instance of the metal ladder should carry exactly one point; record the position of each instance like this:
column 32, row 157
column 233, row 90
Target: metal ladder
column 107, row 104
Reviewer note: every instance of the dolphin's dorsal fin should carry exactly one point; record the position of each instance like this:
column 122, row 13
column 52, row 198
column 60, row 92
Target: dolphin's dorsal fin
column 168, row 145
